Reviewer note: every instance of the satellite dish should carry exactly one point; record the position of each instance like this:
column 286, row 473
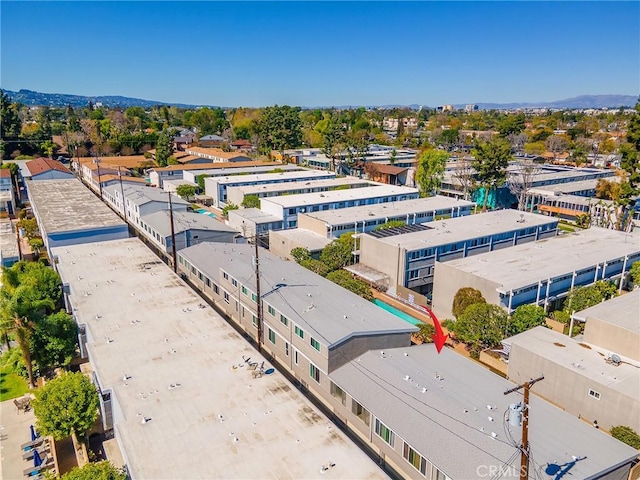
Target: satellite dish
column 615, row 358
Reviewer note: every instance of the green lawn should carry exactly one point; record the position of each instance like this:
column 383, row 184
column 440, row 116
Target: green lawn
column 11, row 385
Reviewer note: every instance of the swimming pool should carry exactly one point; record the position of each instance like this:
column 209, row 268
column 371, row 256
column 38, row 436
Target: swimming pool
column 398, row 313
column 205, row 212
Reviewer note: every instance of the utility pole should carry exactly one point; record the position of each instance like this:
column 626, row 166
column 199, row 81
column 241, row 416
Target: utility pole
column 524, row 448
column 97, row 162
column 173, row 236
column 258, row 298
column 124, row 203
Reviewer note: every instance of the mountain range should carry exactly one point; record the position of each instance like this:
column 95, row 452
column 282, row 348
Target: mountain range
column 32, row 98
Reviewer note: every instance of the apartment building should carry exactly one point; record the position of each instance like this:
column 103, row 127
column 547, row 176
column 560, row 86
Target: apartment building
column 288, row 207
column 541, row 272
column 407, row 255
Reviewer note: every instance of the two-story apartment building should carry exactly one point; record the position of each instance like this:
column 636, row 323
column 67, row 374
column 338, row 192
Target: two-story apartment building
column 190, row 171
column 407, row 255
column 540, row 273
column 216, row 186
column 288, row 207
column 333, row 223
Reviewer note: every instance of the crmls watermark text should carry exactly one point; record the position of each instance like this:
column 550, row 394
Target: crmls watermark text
column 499, row 471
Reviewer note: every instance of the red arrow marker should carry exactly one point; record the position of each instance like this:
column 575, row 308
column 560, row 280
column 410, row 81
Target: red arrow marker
column 439, row 338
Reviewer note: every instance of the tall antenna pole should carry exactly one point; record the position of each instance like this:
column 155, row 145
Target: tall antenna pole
column 524, row 448
column 97, row 161
column 258, row 299
column 124, row 203
column 173, row 236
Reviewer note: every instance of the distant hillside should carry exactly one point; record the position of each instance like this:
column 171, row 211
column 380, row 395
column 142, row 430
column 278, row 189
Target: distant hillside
column 583, row 101
column 29, row 97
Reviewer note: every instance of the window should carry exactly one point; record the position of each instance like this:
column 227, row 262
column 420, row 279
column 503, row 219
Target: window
column 360, row 412
column 384, row 432
column 284, row 320
column 314, row 372
column 594, row 394
column 234, row 282
column 415, row 459
column 286, row 348
column 215, row 289
column 295, row 357
column 200, row 276
column 254, row 320
column 254, row 297
column 315, row 344
column 207, row 282
column 272, row 311
column 272, row 336
column 226, row 297
column 338, row 393
column 299, row 332
column 245, row 291
column 225, row 275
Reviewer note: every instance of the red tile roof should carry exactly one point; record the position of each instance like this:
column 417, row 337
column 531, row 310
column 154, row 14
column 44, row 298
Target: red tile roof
column 5, row 173
column 41, row 165
column 389, row 169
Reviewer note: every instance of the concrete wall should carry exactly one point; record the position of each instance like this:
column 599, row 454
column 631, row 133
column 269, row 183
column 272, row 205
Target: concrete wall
column 53, row 175
column 447, row 280
column 357, row 346
column 95, row 235
column 568, row 388
column 386, row 258
column 613, row 337
column 281, row 245
column 312, row 224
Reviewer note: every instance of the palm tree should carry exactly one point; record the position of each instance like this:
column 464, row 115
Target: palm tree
column 18, row 315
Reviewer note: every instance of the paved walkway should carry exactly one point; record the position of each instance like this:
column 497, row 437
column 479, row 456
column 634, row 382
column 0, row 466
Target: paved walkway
column 15, row 432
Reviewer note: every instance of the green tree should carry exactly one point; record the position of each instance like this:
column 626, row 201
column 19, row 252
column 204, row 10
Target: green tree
column 279, row 128
column 490, row 163
column 251, row 201
column 526, row 317
column 67, row 405
column 96, row 471
column 333, row 140
column 229, row 206
column 10, row 124
column 511, row 124
column 186, row 191
column 209, row 121
column 338, row 253
column 449, row 138
column 430, row 171
column 390, row 224
column 299, row 254
column 316, row 266
column 54, row 341
column 626, row 435
column 200, row 181
column 164, row 149
column 584, row 297
column 30, row 227
column 464, row 298
column 634, row 273
column 36, row 244
column 346, row 280
column 426, row 332
column 48, row 148
column 482, row 326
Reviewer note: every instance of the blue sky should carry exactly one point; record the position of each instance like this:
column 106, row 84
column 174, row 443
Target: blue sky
column 326, row 53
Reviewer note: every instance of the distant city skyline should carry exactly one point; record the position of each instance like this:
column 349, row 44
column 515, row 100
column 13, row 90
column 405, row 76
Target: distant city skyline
column 322, row 53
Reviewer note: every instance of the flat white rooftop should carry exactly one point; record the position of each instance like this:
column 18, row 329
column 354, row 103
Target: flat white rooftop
column 623, row 311
column 529, row 263
column 390, row 209
column 443, row 232
column 255, row 215
column 275, row 177
column 309, row 239
column 567, row 352
column 289, row 186
column 216, row 421
column 8, row 240
column 288, row 201
column 578, row 200
column 568, row 187
column 62, row 206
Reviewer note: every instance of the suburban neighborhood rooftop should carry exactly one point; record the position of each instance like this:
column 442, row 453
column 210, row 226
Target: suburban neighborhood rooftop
column 323, row 308
column 461, row 405
column 452, row 230
column 179, row 367
column 62, row 205
column 340, row 195
column 528, row 263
